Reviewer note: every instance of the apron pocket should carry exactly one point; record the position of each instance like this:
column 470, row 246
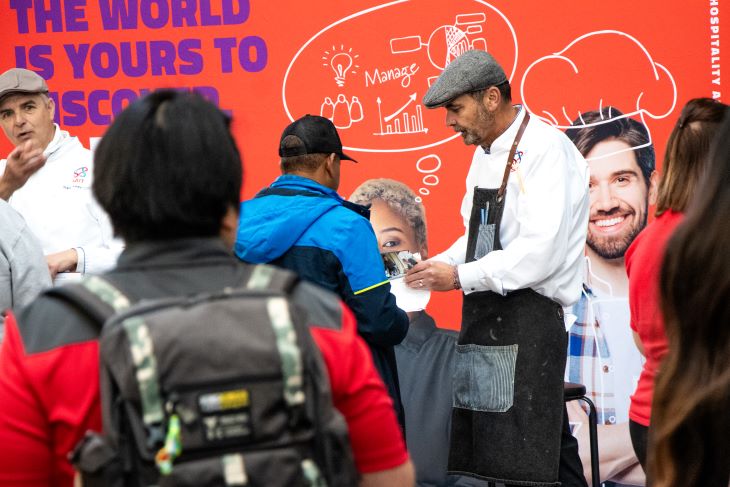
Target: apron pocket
column 485, row 240
column 484, row 377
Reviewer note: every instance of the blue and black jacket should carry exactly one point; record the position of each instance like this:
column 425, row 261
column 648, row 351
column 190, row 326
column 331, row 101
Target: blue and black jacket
column 298, row 224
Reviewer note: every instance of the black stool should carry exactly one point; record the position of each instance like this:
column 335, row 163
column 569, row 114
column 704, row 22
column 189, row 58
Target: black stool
column 572, row 392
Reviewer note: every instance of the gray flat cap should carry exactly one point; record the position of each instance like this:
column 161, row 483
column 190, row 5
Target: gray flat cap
column 471, row 71
column 19, row 80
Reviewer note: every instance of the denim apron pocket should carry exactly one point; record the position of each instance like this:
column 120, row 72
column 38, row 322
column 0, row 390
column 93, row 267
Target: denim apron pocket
column 485, row 240
column 484, row 377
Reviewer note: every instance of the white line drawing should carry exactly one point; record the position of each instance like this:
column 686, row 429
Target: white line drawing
column 341, row 112
column 341, row 63
column 430, row 179
column 412, row 124
column 566, row 116
column 456, row 37
column 365, row 12
column 610, row 119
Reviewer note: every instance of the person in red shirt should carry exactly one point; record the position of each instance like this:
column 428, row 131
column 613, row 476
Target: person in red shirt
column 689, row 424
column 169, row 174
column 684, row 163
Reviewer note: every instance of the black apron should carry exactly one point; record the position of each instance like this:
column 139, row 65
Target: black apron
column 508, row 380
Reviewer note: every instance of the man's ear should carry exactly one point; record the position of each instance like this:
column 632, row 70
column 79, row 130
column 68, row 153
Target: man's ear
column 329, row 165
column 653, row 187
column 51, row 105
column 492, row 98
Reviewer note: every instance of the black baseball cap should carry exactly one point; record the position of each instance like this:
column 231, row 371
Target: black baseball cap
column 318, row 135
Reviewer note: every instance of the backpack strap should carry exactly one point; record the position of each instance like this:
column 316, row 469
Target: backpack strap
column 145, row 364
column 267, row 277
column 101, row 300
column 95, row 296
column 289, row 352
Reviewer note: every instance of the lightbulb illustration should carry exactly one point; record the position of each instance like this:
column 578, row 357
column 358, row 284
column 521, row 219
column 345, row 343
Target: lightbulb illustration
column 341, row 63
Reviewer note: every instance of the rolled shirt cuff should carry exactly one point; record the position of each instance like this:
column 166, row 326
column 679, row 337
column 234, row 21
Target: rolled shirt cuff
column 473, row 280
column 80, row 260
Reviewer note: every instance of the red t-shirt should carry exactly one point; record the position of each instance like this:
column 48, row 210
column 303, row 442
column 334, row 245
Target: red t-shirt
column 643, row 266
column 49, row 399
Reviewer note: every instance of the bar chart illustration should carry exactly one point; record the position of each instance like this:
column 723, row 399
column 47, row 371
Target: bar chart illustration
column 402, row 122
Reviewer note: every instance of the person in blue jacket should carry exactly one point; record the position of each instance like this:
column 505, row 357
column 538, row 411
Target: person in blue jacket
column 302, row 224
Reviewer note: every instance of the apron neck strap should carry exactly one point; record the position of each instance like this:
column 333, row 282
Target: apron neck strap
column 510, row 158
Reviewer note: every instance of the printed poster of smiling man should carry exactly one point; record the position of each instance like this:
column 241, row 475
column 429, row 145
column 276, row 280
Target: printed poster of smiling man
column 601, row 351
column 612, row 125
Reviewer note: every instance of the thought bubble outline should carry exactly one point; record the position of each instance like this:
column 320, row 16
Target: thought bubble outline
column 373, row 9
column 552, row 120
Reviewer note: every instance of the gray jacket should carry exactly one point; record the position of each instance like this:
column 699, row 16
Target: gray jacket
column 425, row 370
column 23, row 269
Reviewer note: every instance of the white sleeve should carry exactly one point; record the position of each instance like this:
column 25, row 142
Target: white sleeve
column 103, row 257
column 544, row 222
column 454, row 255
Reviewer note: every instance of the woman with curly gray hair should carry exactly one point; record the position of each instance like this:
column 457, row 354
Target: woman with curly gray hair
column 393, row 201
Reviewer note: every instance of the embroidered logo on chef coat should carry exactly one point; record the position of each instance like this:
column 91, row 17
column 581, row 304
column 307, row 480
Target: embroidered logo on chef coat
column 80, row 174
column 516, row 160
column 80, row 178
column 515, row 167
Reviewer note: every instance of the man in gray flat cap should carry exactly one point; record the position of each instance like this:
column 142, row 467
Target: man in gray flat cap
column 47, row 179
column 519, row 263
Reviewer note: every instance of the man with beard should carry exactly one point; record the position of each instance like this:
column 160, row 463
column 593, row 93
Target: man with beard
column 601, row 351
column 520, row 262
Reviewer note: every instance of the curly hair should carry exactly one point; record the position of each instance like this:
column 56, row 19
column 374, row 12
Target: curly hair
column 400, row 199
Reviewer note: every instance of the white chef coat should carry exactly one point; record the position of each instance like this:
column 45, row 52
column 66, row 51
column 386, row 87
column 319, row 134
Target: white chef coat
column 60, row 209
column 543, row 229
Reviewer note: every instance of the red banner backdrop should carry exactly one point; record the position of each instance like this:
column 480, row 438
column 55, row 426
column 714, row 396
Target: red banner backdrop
column 366, row 65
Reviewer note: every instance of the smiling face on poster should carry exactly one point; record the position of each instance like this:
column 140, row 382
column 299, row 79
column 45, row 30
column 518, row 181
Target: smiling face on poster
column 619, row 199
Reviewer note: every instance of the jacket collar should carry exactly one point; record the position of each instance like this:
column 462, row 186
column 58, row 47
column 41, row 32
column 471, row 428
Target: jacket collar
column 421, row 328
column 291, row 181
column 504, row 141
column 58, row 137
column 189, row 252
column 300, row 182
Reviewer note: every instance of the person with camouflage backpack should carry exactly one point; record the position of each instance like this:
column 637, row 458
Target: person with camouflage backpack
column 169, row 175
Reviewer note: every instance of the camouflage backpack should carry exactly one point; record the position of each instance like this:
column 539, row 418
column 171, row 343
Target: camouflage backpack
column 220, row 389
